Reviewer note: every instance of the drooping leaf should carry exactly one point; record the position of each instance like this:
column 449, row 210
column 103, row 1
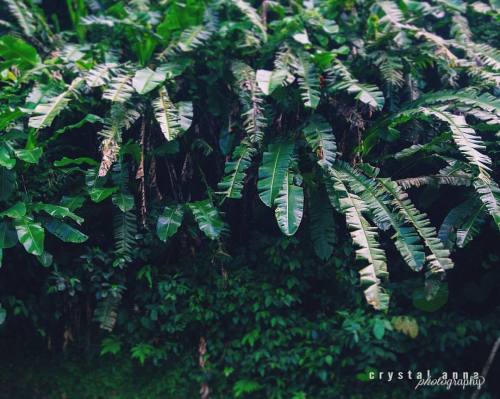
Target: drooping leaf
column 120, row 88
column 322, row 225
column 57, row 211
column 65, row 161
column 30, row 234
column 169, row 221
column 289, row 206
column 231, row 185
column 365, row 237
column 173, row 120
column 273, row 169
column 65, row 232
column 439, row 260
column 5, row 159
column 208, row 218
column 17, row 52
column 29, row 156
column 45, row 112
column 380, row 211
column 319, row 136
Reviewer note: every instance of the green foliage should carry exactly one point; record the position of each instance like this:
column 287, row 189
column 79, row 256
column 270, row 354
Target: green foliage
column 145, row 146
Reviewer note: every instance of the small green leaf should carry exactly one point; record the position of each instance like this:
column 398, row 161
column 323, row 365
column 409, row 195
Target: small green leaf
column 169, row 221
column 123, row 201
column 3, row 315
column 31, row 235
column 5, row 160
column 29, row 156
column 100, row 194
column 72, row 203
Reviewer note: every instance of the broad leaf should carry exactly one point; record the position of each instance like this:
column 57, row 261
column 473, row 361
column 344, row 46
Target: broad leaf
column 208, row 218
column 273, row 170
column 65, row 232
column 169, row 221
column 289, row 206
column 146, row 80
column 123, row 201
column 31, row 235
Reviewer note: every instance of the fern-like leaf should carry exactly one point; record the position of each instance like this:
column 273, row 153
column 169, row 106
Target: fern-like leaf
column 251, row 97
column 23, row 16
column 465, row 137
column 46, row 112
column 120, row 88
column 234, row 171
column 308, row 78
column 439, row 259
column 378, row 202
column 365, row 237
column 319, row 136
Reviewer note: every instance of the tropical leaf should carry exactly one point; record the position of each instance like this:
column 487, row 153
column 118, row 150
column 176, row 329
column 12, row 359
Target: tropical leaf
column 124, row 201
column 308, row 81
column 489, row 193
column 340, row 78
column 319, row 136
column 231, row 185
column 57, row 211
column 272, row 170
column 465, row 137
column 173, row 120
column 146, row 80
column 124, row 234
column 119, row 89
column 252, row 101
column 380, row 211
column 439, row 259
column 289, row 206
column 65, row 232
column 24, row 17
column 193, row 37
column 322, row 225
column 169, row 221
column 208, row 218
column 46, row 112
column 30, row 234
column 252, row 15
column 365, row 237
column 99, row 75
